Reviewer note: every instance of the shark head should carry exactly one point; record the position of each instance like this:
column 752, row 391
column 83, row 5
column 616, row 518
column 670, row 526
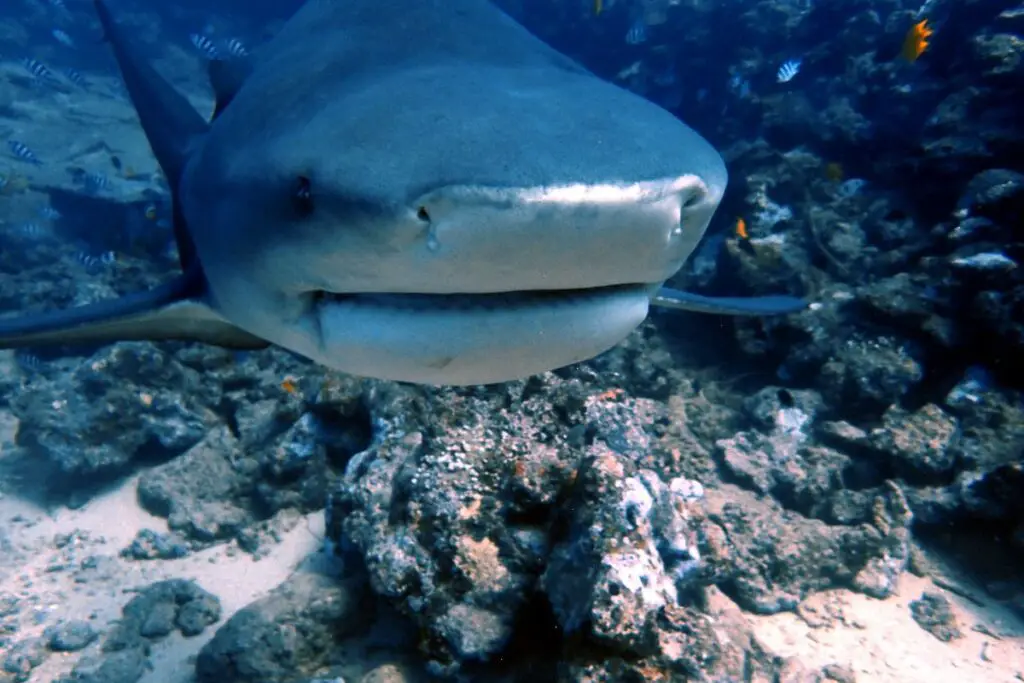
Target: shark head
column 416, row 190
column 457, row 216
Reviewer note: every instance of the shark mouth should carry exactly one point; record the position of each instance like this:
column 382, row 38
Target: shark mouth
column 475, row 302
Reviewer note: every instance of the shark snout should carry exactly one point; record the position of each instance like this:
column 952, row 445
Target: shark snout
column 479, row 239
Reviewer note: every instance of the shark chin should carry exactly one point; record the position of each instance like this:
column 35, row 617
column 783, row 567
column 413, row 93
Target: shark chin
column 470, row 339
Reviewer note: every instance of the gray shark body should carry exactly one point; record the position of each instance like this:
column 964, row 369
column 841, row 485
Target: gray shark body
column 417, row 190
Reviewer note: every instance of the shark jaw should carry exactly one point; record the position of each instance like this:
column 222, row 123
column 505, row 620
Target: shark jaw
column 499, row 283
column 467, row 339
column 462, row 284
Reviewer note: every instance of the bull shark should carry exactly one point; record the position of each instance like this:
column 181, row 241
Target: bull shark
column 412, row 190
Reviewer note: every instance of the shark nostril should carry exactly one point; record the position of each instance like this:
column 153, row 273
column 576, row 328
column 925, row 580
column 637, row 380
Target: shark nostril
column 692, row 199
column 695, row 197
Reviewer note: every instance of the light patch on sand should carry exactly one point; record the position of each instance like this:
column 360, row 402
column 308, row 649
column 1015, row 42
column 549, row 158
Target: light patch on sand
column 881, row 643
column 110, row 522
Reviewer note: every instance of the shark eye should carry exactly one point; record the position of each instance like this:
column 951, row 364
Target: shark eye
column 423, row 214
column 302, row 196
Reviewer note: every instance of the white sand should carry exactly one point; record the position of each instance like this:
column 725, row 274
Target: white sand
column 880, row 642
column 111, row 522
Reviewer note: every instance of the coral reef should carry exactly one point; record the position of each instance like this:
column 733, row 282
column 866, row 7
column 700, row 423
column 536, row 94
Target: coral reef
column 617, row 520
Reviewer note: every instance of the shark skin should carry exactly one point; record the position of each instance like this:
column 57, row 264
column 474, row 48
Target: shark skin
column 414, row 190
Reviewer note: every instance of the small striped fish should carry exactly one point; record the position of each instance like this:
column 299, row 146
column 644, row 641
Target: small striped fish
column 637, row 33
column 38, row 70
column 97, row 182
column 49, row 213
column 30, row 231
column 236, row 48
column 788, row 70
column 94, row 262
column 28, row 362
column 22, row 151
column 204, row 45
column 76, row 78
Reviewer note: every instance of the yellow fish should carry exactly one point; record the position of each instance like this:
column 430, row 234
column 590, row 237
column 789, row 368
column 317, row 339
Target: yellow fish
column 741, row 229
column 916, row 41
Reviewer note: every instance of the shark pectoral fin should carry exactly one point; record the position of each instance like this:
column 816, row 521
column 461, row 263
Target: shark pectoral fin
column 159, row 314
column 226, row 78
column 758, row 305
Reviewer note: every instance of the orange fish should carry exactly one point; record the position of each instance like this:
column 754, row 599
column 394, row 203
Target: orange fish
column 741, row 229
column 916, row 41
column 610, row 395
column 289, row 384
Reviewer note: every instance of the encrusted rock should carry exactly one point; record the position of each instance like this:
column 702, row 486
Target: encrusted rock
column 631, row 551
column 934, row 614
column 918, row 444
column 287, row 635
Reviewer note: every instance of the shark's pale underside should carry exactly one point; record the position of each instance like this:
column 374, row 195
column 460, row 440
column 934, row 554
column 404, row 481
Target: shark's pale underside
column 417, row 190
